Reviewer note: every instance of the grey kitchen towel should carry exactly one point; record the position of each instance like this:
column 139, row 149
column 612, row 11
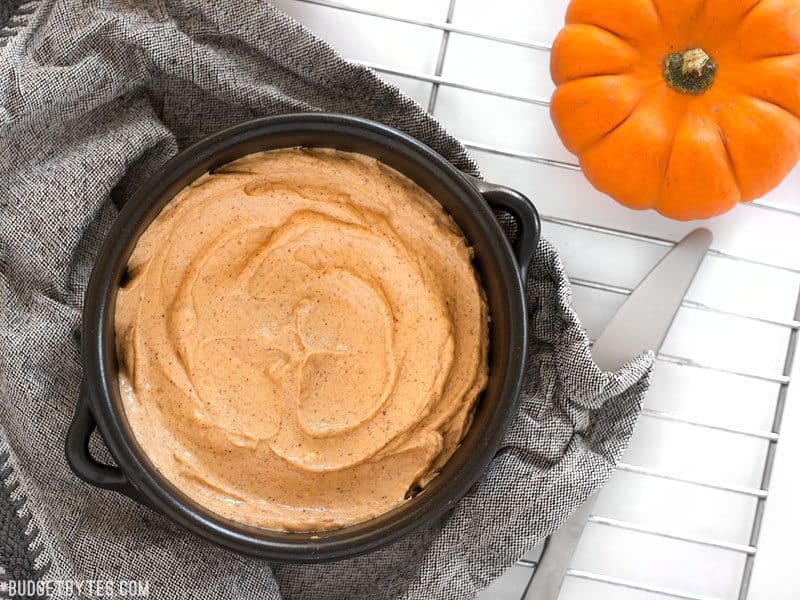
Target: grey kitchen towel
column 94, row 96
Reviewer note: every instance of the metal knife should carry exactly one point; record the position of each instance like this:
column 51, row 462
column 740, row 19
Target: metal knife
column 640, row 324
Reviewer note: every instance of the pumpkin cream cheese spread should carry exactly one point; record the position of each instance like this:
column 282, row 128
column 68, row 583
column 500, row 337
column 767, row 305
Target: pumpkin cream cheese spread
column 301, row 339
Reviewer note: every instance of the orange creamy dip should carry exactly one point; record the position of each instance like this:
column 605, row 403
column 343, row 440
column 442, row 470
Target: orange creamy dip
column 301, row 339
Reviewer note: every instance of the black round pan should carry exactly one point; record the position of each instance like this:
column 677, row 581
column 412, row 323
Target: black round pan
column 502, row 270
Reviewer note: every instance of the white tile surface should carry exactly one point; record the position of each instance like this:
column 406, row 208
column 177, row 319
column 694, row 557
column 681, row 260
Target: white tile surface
column 580, row 589
column 494, row 65
column 714, row 397
column 788, row 193
column 659, row 561
column 678, row 507
column 365, row 37
column 694, row 453
column 522, row 19
column 514, row 125
column 729, row 342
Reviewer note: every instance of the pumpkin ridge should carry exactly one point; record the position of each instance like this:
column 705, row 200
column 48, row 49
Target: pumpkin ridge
column 699, row 11
column 770, row 56
column 615, row 127
column 729, row 158
column 642, row 97
column 624, row 40
column 745, row 15
column 667, row 162
column 734, row 87
column 619, row 36
column 729, row 45
column 659, row 18
column 676, row 125
column 598, row 75
column 772, row 103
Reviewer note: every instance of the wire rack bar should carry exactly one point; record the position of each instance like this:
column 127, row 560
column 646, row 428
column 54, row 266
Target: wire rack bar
column 794, row 339
column 790, row 323
column 742, row 548
column 781, row 208
column 529, row 156
column 665, row 416
column 688, row 362
column 659, row 241
column 616, row 289
column 684, row 361
column 440, row 59
column 644, row 587
column 735, row 489
column 439, row 80
column 573, row 166
column 447, row 27
column 626, row 583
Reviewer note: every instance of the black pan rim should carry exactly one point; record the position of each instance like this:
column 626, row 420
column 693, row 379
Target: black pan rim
column 331, row 545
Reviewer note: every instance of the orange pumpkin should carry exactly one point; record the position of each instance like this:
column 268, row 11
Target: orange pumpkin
column 684, row 106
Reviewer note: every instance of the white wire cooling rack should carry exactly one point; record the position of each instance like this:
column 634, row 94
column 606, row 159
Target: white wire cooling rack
column 684, row 515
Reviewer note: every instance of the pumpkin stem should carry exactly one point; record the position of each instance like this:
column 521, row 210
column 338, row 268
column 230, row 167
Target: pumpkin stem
column 689, row 72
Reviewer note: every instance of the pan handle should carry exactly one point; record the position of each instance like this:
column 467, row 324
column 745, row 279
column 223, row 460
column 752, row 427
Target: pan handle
column 529, row 226
column 84, row 465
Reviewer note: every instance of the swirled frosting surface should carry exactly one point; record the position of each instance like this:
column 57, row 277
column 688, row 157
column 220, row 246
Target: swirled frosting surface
column 301, row 339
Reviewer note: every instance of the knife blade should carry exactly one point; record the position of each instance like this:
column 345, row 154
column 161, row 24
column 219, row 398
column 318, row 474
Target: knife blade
column 640, row 324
